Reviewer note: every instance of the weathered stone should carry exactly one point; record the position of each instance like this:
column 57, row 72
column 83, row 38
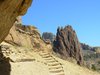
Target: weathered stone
column 9, row 10
column 22, row 35
column 48, row 36
column 67, row 44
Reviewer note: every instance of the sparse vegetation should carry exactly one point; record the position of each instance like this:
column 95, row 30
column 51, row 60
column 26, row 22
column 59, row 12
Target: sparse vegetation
column 93, row 67
column 92, row 60
column 99, row 62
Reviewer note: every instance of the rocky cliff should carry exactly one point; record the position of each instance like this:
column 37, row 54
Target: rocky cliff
column 22, row 35
column 9, row 10
column 67, row 44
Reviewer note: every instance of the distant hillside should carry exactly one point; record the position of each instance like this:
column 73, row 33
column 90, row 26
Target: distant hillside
column 48, row 36
column 91, row 56
column 87, row 47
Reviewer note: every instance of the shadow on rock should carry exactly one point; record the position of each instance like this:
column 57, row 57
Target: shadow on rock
column 5, row 66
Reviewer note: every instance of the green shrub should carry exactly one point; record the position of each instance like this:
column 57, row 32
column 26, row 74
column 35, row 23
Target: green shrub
column 98, row 62
column 93, row 67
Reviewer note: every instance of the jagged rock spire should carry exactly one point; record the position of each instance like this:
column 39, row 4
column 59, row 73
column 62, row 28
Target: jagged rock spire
column 67, row 44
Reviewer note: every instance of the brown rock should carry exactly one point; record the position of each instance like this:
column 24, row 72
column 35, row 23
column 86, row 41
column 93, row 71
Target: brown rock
column 67, row 44
column 19, row 20
column 9, row 10
column 27, row 37
column 22, row 35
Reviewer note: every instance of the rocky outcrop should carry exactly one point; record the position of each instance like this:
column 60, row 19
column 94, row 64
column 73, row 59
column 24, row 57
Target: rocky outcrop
column 9, row 10
column 67, row 44
column 26, row 36
column 48, row 36
column 22, row 35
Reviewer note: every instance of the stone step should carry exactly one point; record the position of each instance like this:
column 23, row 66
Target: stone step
column 53, row 64
column 61, row 73
column 51, row 61
column 56, row 71
column 44, row 54
column 55, row 67
column 24, row 60
column 47, row 56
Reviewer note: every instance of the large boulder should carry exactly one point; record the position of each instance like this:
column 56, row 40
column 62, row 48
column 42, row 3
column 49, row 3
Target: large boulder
column 67, row 44
column 9, row 10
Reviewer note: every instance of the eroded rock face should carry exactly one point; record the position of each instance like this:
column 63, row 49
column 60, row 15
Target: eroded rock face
column 9, row 10
column 67, row 44
column 22, row 35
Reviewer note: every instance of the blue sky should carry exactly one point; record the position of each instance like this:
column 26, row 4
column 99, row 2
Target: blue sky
column 83, row 15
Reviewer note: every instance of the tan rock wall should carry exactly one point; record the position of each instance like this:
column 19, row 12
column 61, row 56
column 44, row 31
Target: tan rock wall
column 9, row 10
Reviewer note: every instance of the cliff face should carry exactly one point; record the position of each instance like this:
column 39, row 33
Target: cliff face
column 25, row 36
column 67, row 44
column 9, row 10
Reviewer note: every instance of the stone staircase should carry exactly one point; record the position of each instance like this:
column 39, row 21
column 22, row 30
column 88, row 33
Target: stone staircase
column 55, row 67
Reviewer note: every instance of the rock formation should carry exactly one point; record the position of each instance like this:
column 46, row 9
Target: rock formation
column 21, row 41
column 22, row 35
column 9, row 10
column 25, row 36
column 67, row 44
column 48, row 36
